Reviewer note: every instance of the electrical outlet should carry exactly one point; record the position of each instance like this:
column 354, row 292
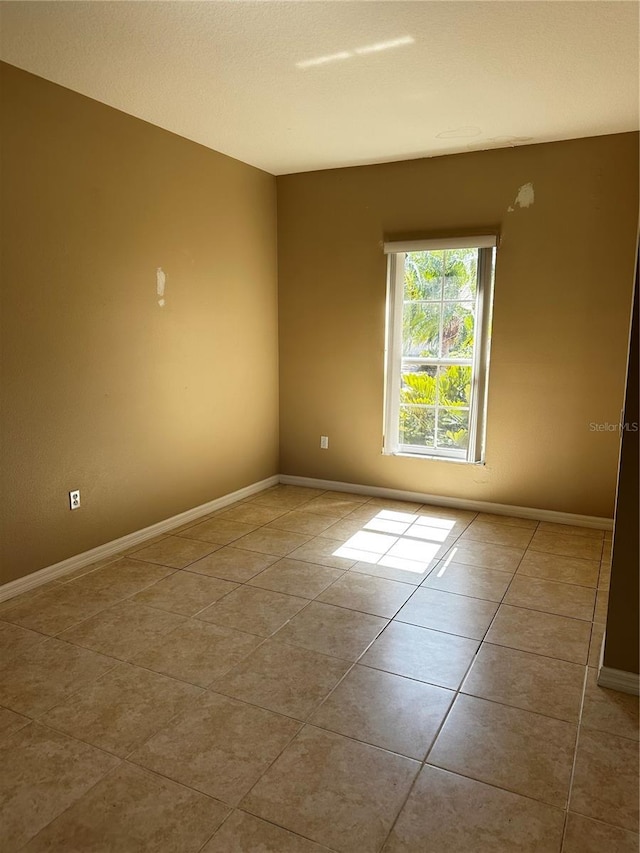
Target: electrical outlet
column 74, row 499
column 324, row 442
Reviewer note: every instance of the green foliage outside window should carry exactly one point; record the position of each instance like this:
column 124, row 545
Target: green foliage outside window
column 438, row 322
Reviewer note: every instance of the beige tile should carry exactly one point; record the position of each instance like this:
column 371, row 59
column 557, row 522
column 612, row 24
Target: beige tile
column 57, row 608
column 14, row 640
column 368, row 594
column 11, row 722
column 334, row 791
column 86, row 570
column 250, row 513
column 503, row 558
column 380, row 521
column 43, row 773
column 420, row 653
column 286, row 679
column 348, row 526
column 307, row 523
column 432, row 514
column 244, row 833
column 604, row 578
column 186, row 593
column 333, row 505
column 129, row 810
column 422, row 550
column 304, row 493
column 46, row 674
column 563, row 599
column 268, row 541
column 369, row 511
column 440, row 532
column 396, row 569
column 281, row 500
column 390, row 520
column 233, row 564
column 552, row 567
column 119, row 711
column 482, row 739
column 121, row 578
column 566, row 545
column 435, row 529
column 175, row 551
column 444, row 611
column 584, row 835
column 609, row 710
column 386, row 710
column 367, row 542
column 322, row 551
column 254, row 610
column 24, row 597
column 468, row 580
column 605, row 780
column 197, row 652
column 457, row 815
column 181, row 529
column 571, row 530
column 602, row 606
column 219, row 531
column 510, row 520
column 332, row 630
column 532, row 682
column 145, row 543
column 296, row 577
column 541, row 633
column 497, row 534
column 595, row 644
column 409, row 507
column 221, row 747
column 123, row 630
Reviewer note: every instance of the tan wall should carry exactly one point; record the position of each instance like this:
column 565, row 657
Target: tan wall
column 564, row 280
column 148, row 410
column 622, row 647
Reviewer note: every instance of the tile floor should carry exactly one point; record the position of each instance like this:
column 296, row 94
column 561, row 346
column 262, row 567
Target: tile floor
column 311, row 671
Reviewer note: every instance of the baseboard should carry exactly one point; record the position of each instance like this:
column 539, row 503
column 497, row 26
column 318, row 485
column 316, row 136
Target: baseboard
column 454, row 503
column 618, row 679
column 42, row 576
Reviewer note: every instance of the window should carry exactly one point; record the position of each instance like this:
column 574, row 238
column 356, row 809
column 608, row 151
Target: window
column 438, row 321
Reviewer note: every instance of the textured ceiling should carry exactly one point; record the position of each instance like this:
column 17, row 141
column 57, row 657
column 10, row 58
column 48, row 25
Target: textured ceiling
column 297, row 86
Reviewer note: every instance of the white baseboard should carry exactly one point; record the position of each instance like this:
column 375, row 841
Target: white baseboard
column 618, row 679
column 30, row 581
column 454, row 503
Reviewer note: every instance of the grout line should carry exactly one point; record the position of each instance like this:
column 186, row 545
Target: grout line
column 575, row 754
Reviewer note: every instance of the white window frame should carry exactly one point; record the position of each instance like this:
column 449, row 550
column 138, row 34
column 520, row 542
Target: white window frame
column 395, row 251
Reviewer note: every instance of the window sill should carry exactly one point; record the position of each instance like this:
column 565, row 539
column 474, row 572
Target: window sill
column 432, row 458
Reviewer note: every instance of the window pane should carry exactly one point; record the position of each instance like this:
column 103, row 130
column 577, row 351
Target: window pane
column 454, row 385
column 417, row 426
column 423, row 274
column 460, row 274
column 453, row 428
column 457, row 330
column 418, row 385
column 420, row 330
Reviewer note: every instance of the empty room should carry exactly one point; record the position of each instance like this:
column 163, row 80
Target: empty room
column 319, row 426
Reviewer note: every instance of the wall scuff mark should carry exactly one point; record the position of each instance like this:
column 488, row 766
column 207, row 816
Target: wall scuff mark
column 161, row 280
column 525, row 197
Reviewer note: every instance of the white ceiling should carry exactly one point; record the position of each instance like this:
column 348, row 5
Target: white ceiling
column 296, row 86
